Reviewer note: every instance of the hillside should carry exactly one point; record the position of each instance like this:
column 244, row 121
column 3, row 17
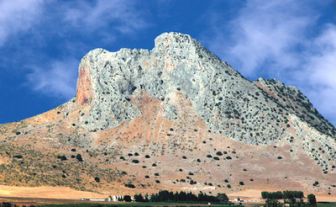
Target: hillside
column 175, row 117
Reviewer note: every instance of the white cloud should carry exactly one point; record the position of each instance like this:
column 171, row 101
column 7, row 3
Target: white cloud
column 262, row 32
column 18, row 16
column 277, row 35
column 93, row 15
column 322, row 63
column 319, row 73
column 108, row 18
column 57, row 79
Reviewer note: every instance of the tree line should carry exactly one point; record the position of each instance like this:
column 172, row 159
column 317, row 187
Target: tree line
column 293, row 198
column 282, row 195
column 168, row 196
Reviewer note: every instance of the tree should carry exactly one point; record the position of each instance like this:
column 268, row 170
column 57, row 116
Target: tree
column 139, row 198
column 272, row 203
column 168, row 196
column 127, row 198
column 222, row 197
column 291, row 196
column 79, row 157
column 311, row 200
column 265, row 195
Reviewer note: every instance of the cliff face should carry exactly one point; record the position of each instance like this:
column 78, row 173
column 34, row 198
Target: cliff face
column 176, row 106
column 229, row 104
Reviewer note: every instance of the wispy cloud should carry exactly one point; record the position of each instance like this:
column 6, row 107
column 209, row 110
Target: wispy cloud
column 93, row 15
column 274, row 38
column 17, row 16
column 262, row 32
column 57, row 78
column 106, row 19
column 319, row 73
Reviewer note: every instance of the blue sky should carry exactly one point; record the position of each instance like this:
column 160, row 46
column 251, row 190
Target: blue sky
column 42, row 42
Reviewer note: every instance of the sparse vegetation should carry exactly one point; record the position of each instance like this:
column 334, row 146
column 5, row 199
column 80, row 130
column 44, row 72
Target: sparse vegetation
column 79, row 158
column 62, row 157
column 129, row 185
column 135, row 161
column 97, row 179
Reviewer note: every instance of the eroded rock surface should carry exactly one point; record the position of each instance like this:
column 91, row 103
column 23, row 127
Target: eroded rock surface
column 255, row 113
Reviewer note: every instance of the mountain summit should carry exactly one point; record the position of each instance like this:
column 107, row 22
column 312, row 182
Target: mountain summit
column 175, row 117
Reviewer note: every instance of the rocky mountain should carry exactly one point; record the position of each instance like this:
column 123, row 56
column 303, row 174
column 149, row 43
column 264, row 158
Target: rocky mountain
column 175, row 117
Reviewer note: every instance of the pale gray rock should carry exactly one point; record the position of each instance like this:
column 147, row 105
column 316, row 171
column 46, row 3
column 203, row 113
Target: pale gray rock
column 251, row 112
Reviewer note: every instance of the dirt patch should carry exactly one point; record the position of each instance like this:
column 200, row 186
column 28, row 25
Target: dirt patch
column 46, row 192
column 4, row 160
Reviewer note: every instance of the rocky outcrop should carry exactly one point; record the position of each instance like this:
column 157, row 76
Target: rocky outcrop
column 255, row 113
column 174, row 117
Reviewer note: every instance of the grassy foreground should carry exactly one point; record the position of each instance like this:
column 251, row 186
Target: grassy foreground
column 326, row 205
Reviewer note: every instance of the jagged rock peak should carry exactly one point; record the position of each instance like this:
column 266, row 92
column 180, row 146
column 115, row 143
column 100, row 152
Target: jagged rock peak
column 107, row 80
column 175, row 41
column 253, row 112
column 172, row 47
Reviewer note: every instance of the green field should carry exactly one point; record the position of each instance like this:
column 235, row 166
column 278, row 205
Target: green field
column 326, row 205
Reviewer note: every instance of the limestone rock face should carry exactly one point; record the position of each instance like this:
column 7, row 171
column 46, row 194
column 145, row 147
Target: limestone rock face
column 255, row 113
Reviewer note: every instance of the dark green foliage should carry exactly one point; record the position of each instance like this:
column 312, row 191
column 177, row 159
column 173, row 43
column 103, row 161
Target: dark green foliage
column 222, row 197
column 135, row 161
column 140, row 198
column 168, row 196
column 18, row 156
column 290, row 197
column 316, row 183
column 273, row 203
column 130, row 185
column 282, row 195
column 311, row 200
column 272, row 195
column 79, row 157
column 97, row 179
column 127, row 198
column 293, row 194
column 62, row 157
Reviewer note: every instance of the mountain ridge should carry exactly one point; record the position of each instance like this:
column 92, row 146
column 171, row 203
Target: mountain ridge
column 174, row 117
